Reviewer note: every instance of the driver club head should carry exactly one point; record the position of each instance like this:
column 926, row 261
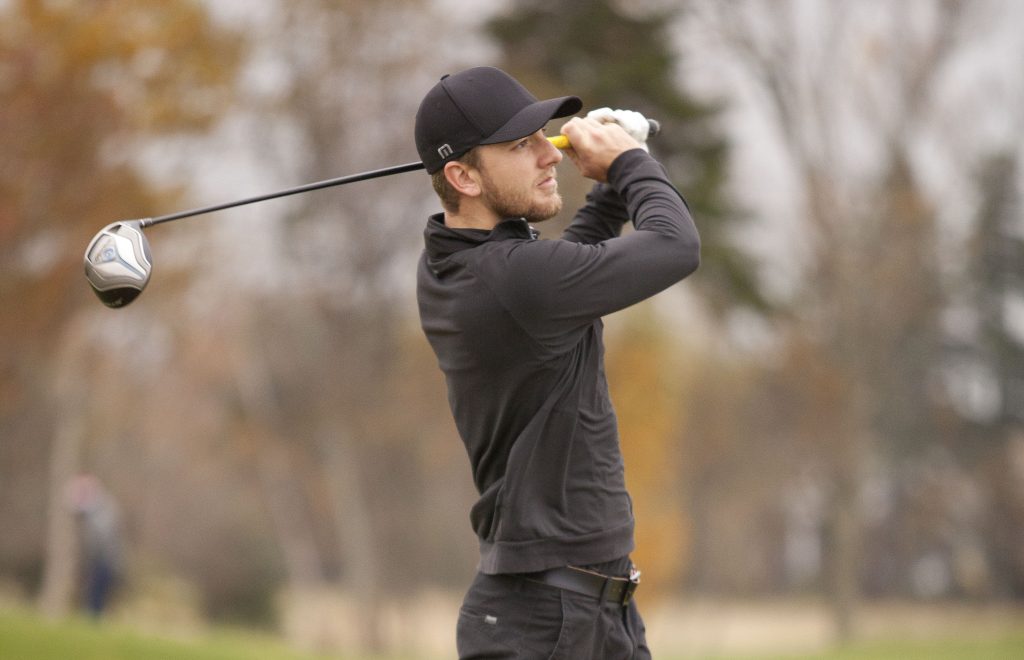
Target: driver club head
column 118, row 263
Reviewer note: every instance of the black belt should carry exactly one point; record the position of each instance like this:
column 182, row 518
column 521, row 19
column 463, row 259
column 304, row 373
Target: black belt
column 618, row 590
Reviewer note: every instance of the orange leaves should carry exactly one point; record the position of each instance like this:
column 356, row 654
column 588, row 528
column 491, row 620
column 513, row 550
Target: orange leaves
column 80, row 81
column 648, row 386
column 150, row 59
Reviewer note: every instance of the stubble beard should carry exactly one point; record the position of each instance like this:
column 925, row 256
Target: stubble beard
column 510, row 202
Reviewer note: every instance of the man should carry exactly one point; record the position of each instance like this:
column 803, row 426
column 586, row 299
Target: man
column 101, row 540
column 515, row 323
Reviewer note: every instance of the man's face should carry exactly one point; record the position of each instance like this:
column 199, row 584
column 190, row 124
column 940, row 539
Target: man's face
column 518, row 178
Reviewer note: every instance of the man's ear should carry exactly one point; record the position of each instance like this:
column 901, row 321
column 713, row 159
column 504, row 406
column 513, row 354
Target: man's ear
column 463, row 178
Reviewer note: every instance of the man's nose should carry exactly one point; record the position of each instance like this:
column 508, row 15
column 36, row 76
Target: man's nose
column 550, row 155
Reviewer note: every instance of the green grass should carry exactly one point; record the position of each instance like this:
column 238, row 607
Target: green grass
column 1003, row 647
column 25, row 636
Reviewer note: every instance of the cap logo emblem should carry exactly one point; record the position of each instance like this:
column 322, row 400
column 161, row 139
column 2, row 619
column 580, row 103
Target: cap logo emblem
column 445, row 150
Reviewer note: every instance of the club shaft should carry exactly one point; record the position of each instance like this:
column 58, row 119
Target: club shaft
column 317, row 185
column 559, row 141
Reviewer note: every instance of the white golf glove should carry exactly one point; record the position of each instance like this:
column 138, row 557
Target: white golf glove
column 633, row 122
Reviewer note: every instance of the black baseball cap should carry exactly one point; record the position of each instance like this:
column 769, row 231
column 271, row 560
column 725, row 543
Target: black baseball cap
column 482, row 105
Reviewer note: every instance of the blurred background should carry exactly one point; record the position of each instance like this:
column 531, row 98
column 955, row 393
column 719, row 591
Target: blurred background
column 823, row 427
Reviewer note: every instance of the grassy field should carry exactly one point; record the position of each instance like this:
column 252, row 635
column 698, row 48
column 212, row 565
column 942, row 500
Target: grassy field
column 27, row 637
column 24, row 636
column 1010, row 647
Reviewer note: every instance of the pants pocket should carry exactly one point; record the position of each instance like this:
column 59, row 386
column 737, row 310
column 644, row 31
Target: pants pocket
column 507, row 618
column 480, row 634
column 577, row 637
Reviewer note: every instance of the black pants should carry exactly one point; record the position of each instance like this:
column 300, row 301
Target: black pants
column 505, row 617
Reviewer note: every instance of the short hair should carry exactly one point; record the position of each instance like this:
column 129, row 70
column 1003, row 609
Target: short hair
column 448, row 195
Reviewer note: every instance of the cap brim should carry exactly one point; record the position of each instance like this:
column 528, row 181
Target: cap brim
column 533, row 117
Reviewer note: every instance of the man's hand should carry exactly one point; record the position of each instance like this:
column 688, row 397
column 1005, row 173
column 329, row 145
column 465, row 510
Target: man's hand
column 595, row 145
column 633, row 122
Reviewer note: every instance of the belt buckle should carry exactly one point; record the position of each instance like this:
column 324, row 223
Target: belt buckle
column 634, row 582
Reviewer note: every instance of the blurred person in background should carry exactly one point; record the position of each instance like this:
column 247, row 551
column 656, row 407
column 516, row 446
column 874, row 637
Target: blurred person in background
column 515, row 323
column 99, row 527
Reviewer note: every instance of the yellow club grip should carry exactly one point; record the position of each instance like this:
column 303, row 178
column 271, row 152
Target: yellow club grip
column 562, row 142
column 559, row 142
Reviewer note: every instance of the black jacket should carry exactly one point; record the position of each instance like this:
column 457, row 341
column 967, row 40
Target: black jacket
column 515, row 323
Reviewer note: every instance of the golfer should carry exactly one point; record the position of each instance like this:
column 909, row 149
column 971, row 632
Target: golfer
column 515, row 323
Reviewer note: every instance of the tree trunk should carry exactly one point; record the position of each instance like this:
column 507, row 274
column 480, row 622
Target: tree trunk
column 61, row 551
column 263, row 423
column 844, row 568
column 61, row 540
column 354, row 530
column 292, row 528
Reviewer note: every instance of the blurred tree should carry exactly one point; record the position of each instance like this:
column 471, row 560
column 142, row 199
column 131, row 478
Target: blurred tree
column 331, row 293
column 80, row 85
column 273, row 450
column 850, row 97
column 612, row 56
column 648, row 380
column 82, row 82
column 996, row 267
column 992, row 360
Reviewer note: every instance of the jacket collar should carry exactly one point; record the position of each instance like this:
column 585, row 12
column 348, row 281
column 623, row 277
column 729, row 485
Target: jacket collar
column 443, row 241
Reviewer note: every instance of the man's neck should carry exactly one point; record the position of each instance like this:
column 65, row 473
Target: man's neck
column 472, row 216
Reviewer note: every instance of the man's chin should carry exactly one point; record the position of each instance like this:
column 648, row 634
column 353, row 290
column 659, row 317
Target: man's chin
column 533, row 210
column 542, row 213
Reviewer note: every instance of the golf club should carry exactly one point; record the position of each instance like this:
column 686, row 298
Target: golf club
column 118, row 262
